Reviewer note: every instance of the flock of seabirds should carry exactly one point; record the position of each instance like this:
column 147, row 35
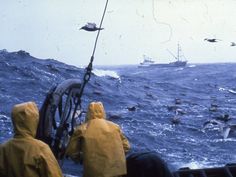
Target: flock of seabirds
column 222, row 121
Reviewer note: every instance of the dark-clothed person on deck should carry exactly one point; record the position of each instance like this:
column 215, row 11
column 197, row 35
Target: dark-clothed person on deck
column 147, row 164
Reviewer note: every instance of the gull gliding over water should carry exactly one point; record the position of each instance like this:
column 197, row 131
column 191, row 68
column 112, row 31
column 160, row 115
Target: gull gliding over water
column 91, row 27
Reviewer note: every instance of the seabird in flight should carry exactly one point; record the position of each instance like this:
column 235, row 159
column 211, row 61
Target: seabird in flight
column 225, row 129
column 233, row 44
column 212, row 40
column 91, row 27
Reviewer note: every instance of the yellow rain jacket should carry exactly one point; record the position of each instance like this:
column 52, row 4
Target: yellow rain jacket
column 100, row 144
column 23, row 155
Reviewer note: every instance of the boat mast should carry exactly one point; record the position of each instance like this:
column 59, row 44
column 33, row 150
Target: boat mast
column 178, row 49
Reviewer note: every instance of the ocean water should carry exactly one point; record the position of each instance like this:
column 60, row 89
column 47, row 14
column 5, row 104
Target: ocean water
column 141, row 100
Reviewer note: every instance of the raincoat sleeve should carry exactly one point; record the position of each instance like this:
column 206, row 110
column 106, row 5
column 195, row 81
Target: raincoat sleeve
column 125, row 141
column 48, row 167
column 73, row 149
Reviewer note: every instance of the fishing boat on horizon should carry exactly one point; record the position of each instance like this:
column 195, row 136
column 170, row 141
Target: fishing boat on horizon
column 180, row 60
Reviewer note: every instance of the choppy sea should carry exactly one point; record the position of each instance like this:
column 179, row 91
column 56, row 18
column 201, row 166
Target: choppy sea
column 143, row 101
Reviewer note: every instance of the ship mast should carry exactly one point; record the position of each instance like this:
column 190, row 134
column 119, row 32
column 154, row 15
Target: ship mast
column 178, row 49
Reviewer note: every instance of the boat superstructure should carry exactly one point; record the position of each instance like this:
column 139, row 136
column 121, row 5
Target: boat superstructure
column 147, row 61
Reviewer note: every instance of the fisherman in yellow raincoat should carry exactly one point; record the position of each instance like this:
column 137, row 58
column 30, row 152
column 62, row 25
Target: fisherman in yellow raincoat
column 23, row 155
column 100, row 144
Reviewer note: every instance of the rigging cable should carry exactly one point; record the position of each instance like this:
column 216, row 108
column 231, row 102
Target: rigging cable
column 87, row 74
column 55, row 133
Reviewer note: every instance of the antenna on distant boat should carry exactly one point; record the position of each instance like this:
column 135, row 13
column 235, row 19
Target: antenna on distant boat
column 179, row 54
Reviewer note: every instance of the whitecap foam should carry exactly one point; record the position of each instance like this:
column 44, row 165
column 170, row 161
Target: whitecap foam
column 192, row 66
column 232, row 91
column 103, row 73
column 179, row 69
column 222, row 89
column 226, row 89
column 194, row 165
column 223, row 140
column 2, row 116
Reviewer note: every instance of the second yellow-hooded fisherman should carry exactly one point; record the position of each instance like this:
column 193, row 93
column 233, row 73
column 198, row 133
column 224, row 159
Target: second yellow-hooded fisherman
column 100, row 143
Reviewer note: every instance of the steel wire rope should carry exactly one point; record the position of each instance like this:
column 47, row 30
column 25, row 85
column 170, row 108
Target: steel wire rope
column 86, row 78
column 87, row 75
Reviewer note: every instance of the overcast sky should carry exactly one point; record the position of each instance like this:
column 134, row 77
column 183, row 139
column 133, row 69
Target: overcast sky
column 50, row 29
